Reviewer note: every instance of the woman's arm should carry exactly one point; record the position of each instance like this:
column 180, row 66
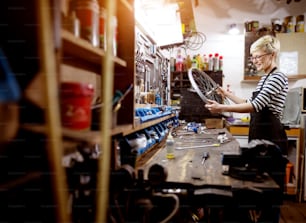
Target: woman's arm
column 215, row 107
column 230, row 96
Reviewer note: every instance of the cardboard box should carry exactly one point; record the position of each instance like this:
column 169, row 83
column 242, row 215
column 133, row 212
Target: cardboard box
column 214, row 123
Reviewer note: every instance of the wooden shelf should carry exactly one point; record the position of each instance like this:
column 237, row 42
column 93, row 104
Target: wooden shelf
column 81, row 136
column 93, row 137
column 119, row 129
column 147, row 124
column 21, row 180
column 128, row 5
column 80, row 48
column 255, row 79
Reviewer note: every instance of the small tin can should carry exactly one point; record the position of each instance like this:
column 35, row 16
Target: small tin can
column 289, row 24
column 255, row 26
column 300, row 24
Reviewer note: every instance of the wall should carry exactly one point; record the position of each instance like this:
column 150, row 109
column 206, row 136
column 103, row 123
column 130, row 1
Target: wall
column 213, row 19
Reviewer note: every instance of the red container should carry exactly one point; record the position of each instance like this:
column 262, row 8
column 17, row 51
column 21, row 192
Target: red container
column 75, row 100
column 87, row 11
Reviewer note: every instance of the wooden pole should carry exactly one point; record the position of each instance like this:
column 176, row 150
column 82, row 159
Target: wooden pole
column 52, row 112
column 107, row 94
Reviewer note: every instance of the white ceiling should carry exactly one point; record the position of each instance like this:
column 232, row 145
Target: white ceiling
column 221, row 7
column 221, row 12
column 215, row 16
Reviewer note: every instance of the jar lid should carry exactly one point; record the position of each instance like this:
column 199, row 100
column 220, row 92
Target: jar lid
column 76, row 88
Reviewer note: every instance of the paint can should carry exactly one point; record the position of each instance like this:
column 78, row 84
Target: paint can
column 75, row 104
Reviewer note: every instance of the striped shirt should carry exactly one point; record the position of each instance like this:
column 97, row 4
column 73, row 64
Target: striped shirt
column 273, row 93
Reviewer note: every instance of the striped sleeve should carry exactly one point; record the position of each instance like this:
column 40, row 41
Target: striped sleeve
column 273, row 93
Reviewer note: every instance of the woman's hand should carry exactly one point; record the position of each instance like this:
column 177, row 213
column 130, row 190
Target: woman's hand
column 213, row 106
column 221, row 92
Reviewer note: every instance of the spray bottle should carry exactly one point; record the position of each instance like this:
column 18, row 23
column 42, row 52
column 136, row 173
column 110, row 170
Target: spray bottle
column 170, row 146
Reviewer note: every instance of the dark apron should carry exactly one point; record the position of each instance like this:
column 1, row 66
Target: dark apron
column 265, row 125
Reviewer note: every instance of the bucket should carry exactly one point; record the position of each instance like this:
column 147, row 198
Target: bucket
column 75, row 101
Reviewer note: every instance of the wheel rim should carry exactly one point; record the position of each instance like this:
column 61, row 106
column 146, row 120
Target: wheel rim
column 205, row 87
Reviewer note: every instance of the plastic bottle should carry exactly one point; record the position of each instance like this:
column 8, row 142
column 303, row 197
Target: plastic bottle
column 172, row 64
column 216, row 62
column 184, row 64
column 188, row 62
column 157, row 99
column 210, row 62
column 205, row 62
column 179, row 62
column 194, row 62
column 170, row 146
column 220, row 63
column 200, row 62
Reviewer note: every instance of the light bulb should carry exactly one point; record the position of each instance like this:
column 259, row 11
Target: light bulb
column 233, row 29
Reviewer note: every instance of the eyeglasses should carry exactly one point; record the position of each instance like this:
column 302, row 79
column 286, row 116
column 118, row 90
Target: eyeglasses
column 258, row 57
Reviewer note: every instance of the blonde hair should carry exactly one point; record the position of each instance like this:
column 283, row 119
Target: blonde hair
column 267, row 43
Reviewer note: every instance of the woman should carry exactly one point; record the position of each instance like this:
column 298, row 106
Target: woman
column 266, row 105
column 268, row 100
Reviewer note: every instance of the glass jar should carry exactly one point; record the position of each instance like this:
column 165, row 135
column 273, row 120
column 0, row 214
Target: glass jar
column 87, row 12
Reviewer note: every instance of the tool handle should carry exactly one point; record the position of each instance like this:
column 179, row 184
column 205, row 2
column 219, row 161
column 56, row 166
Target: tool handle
column 205, row 155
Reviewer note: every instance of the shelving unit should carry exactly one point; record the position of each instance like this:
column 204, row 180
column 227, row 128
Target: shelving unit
column 77, row 48
column 179, row 81
column 255, row 79
column 64, row 57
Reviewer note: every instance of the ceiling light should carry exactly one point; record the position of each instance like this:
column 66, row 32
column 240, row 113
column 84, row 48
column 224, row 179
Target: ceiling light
column 161, row 22
column 233, row 30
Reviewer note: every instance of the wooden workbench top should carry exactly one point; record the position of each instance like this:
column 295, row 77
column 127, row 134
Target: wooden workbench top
column 186, row 167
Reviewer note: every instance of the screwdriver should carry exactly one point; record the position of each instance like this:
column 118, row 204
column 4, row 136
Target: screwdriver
column 205, row 157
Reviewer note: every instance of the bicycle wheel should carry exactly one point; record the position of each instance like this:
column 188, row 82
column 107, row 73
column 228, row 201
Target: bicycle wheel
column 206, row 88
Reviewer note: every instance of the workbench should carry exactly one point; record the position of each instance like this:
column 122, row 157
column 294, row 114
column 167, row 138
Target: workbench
column 206, row 179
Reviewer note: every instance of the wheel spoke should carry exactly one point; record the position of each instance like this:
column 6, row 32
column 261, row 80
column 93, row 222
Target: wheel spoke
column 205, row 87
